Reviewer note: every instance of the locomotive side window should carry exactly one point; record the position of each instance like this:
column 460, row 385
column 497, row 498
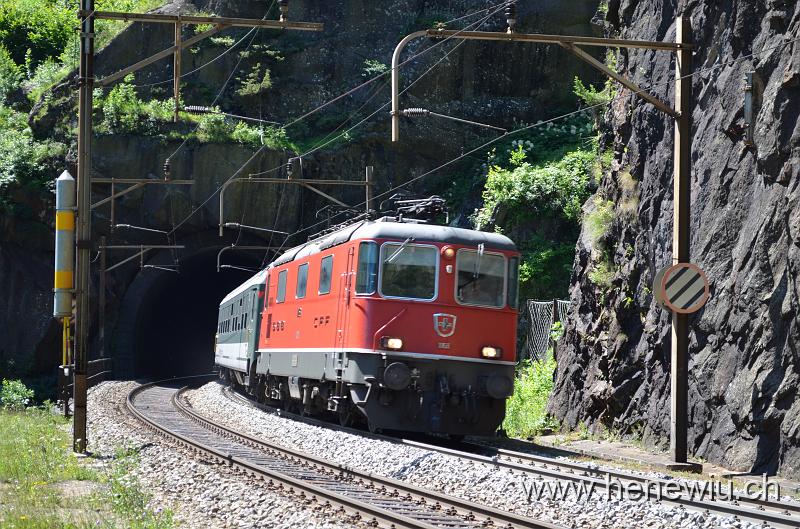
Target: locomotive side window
column 513, row 282
column 367, row 275
column 408, row 271
column 325, row 275
column 302, row 281
column 281, row 295
column 481, row 278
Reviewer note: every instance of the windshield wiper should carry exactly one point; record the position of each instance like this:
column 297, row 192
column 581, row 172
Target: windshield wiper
column 478, row 260
column 397, row 252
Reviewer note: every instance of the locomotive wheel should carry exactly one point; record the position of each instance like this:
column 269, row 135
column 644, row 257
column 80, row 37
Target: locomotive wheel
column 372, row 428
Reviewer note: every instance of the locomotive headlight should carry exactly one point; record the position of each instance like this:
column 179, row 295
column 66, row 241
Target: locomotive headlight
column 388, row 342
column 448, row 252
column 491, row 352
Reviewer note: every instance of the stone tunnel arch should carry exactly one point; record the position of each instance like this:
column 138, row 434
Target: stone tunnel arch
column 167, row 321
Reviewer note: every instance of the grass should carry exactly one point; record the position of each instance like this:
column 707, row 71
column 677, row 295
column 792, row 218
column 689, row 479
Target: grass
column 43, row 485
column 526, row 415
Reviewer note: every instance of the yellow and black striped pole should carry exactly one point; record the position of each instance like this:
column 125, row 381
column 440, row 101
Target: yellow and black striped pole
column 65, row 266
column 65, row 246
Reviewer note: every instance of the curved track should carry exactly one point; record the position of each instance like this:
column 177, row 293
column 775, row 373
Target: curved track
column 370, row 499
column 772, row 513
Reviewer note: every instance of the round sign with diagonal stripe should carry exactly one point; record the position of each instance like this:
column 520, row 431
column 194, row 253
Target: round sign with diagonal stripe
column 683, row 288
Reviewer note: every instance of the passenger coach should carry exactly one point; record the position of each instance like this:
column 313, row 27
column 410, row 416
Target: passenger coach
column 407, row 326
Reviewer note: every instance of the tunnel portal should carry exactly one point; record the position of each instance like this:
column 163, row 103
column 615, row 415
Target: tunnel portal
column 176, row 315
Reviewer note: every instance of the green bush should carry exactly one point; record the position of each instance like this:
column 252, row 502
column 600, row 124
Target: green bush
column 35, row 30
column 591, row 96
column 257, row 81
column 122, row 108
column 10, row 74
column 546, row 266
column 213, row 128
column 373, row 68
column 14, row 395
column 24, row 160
column 558, row 187
column 602, row 273
column 525, row 410
column 47, row 74
column 600, row 220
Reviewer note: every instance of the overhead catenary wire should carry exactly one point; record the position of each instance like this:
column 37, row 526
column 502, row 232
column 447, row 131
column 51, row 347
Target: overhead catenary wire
column 382, row 107
column 239, row 41
column 320, row 107
column 472, row 151
column 629, row 94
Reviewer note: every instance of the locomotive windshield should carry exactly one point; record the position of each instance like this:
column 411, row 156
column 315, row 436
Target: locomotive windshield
column 481, row 278
column 410, row 273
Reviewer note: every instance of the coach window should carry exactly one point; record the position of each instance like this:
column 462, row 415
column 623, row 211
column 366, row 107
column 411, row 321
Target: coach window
column 325, row 275
column 408, row 271
column 367, row 275
column 302, row 281
column 481, row 278
column 281, row 295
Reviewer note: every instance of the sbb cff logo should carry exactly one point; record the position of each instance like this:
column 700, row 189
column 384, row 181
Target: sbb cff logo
column 444, row 324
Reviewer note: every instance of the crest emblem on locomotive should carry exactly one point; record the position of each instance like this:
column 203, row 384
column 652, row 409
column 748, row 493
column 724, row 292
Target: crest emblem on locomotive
column 444, row 324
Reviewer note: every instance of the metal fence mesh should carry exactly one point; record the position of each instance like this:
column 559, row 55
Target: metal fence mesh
column 540, row 315
column 563, row 305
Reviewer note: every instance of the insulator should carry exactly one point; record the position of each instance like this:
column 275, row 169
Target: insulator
column 511, row 14
column 283, row 5
column 166, row 167
column 415, row 112
column 195, row 109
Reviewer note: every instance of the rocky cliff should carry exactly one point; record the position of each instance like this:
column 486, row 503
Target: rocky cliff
column 614, row 360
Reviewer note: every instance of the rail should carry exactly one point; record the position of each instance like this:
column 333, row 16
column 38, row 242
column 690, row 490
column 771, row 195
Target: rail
column 382, row 501
column 776, row 514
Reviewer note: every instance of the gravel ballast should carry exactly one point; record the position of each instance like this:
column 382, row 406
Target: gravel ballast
column 200, row 492
column 479, row 482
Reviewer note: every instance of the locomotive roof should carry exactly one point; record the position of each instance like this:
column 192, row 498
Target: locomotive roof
column 382, row 229
column 259, row 277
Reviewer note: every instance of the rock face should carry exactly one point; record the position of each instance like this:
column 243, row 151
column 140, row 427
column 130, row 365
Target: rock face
column 614, row 360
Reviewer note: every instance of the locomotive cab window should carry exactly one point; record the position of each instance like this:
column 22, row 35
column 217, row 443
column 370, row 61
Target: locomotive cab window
column 367, row 274
column 409, row 271
column 325, row 275
column 513, row 282
column 481, row 278
column 281, row 294
column 302, row 281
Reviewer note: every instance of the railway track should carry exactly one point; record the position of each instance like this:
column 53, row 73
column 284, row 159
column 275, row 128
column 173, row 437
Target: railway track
column 766, row 512
column 367, row 499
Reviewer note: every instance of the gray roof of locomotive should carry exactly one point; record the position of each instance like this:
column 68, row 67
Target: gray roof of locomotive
column 388, row 229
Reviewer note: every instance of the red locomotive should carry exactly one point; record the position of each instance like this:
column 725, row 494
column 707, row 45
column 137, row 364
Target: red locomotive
column 408, row 326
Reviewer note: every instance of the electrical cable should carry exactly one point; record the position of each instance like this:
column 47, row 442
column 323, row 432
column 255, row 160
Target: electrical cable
column 482, row 146
column 245, row 36
column 262, row 148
